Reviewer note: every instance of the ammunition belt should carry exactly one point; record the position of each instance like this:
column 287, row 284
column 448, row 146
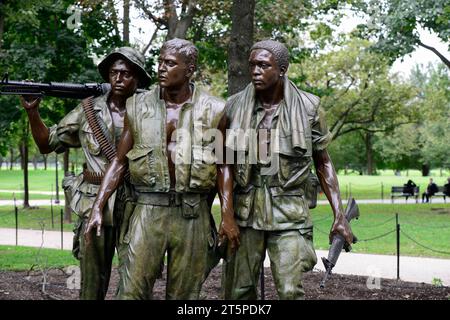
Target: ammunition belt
column 91, row 176
column 106, row 146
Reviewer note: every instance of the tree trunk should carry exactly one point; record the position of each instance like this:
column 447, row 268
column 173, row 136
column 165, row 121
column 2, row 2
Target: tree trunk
column 179, row 25
column 44, row 156
column 369, row 154
column 35, row 161
column 1, row 162
column 425, row 170
column 2, row 24
column 21, row 153
column 242, row 15
column 110, row 6
column 11, row 158
column 126, row 22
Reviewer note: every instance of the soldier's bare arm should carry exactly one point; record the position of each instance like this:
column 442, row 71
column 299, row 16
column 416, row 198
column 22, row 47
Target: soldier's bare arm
column 228, row 227
column 330, row 186
column 114, row 176
column 39, row 130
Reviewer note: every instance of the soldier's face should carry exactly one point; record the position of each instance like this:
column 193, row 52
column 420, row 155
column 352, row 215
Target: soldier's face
column 264, row 69
column 122, row 78
column 173, row 72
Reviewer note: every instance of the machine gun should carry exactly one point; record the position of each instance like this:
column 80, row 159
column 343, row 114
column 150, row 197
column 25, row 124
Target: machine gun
column 339, row 243
column 52, row 89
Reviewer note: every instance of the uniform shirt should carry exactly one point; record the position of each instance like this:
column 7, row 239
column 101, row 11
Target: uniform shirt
column 73, row 131
column 266, row 203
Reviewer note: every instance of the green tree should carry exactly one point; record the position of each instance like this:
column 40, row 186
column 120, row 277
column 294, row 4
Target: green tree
column 423, row 144
column 395, row 23
column 38, row 43
column 358, row 93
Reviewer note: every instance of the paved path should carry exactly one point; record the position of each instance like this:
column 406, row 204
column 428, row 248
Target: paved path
column 33, row 238
column 413, row 269
column 216, row 201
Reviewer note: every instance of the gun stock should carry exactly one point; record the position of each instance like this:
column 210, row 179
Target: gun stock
column 338, row 242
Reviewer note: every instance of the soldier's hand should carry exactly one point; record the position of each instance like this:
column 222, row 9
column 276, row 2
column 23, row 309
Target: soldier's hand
column 342, row 227
column 30, row 102
column 230, row 230
column 95, row 222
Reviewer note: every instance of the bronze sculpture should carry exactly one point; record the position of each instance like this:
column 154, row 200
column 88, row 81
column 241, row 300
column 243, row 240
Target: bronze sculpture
column 270, row 205
column 124, row 70
column 171, row 180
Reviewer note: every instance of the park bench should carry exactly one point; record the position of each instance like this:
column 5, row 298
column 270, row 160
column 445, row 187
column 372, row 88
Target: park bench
column 400, row 192
column 440, row 193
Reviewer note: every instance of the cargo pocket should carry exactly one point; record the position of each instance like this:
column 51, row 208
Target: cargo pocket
column 89, row 141
column 140, row 162
column 289, row 206
column 311, row 188
column 190, row 207
column 124, row 225
column 308, row 255
column 243, row 202
column 203, row 169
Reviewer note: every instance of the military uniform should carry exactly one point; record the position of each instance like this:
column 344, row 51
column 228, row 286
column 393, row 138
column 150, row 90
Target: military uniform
column 175, row 220
column 73, row 131
column 269, row 198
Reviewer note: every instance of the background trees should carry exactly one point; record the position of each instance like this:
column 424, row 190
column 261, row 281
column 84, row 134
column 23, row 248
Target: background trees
column 378, row 120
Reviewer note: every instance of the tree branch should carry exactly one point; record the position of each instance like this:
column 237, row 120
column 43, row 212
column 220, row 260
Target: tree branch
column 443, row 59
column 155, row 33
column 156, row 20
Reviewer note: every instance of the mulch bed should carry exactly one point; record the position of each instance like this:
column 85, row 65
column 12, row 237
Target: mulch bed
column 28, row 286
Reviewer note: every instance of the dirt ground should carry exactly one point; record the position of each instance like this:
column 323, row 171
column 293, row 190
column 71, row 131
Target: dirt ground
column 29, row 286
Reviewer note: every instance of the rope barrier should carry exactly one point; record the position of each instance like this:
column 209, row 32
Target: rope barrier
column 426, row 226
column 362, row 240
column 375, row 225
column 422, row 245
column 377, row 237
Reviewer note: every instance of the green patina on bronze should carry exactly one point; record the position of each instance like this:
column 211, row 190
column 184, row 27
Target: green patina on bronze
column 196, row 170
column 173, row 221
column 272, row 210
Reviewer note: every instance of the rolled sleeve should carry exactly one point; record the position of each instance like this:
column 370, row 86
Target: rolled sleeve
column 321, row 136
column 66, row 133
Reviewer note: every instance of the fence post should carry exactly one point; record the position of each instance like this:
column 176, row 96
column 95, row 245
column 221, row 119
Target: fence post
column 62, row 233
column 16, row 216
column 398, row 246
column 263, row 289
column 382, row 192
column 56, row 180
column 51, row 210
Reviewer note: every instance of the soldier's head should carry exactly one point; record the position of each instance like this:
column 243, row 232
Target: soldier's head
column 177, row 63
column 124, row 70
column 268, row 62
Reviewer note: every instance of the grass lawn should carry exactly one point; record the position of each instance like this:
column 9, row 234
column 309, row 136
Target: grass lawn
column 377, row 187
column 361, row 187
column 39, row 180
column 23, row 258
column 428, row 224
column 34, row 218
column 33, row 196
